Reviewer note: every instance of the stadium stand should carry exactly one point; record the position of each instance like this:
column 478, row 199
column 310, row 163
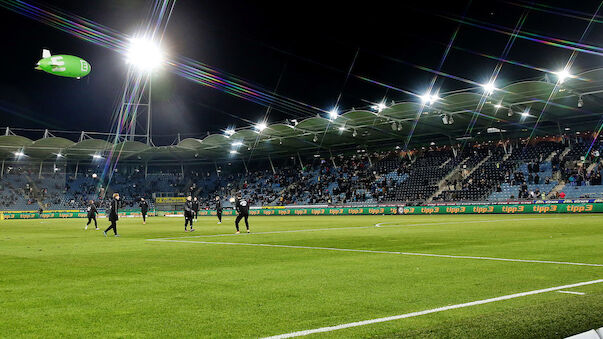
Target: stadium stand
column 515, row 170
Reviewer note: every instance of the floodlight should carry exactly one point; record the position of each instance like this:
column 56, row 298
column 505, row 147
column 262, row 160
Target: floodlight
column 354, row 134
column 260, row 126
column 379, row 107
column 333, row 114
column 144, row 54
column 315, row 139
column 233, row 152
column 237, row 143
column 562, row 75
column 342, row 128
column 428, row 98
column 19, row 154
column 580, row 102
column 497, row 106
column 489, row 88
column 229, row 132
column 96, row 156
column 526, row 113
column 394, row 126
column 59, row 155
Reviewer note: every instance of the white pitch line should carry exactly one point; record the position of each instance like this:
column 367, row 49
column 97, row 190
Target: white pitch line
column 382, row 224
column 572, row 292
column 380, row 252
column 434, row 310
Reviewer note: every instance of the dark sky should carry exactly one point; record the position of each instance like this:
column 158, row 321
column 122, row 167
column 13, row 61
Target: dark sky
column 311, row 43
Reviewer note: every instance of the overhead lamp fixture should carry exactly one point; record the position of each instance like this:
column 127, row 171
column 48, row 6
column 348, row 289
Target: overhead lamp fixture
column 229, row 132
column 237, row 143
column 394, row 126
column 19, row 154
column 315, row 139
column 260, row 126
column 525, row 113
column 489, row 88
column 355, row 133
column 580, row 102
column 96, row 156
column 232, row 151
column 59, row 155
column 429, row 99
column 342, row 128
column 497, row 106
column 294, row 122
column 333, row 114
column 562, row 75
column 379, row 107
column 510, row 112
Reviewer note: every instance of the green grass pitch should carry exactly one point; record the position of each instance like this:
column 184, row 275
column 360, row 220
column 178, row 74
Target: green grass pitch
column 57, row 280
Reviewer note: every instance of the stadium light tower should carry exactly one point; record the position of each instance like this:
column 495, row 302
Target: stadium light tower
column 143, row 56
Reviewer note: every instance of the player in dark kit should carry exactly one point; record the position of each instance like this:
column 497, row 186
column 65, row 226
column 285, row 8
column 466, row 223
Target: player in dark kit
column 219, row 209
column 144, row 209
column 188, row 214
column 242, row 207
column 113, row 216
column 92, row 212
column 196, row 208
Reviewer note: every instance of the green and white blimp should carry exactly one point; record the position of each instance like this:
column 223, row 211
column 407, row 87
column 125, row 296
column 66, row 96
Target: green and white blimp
column 63, row 65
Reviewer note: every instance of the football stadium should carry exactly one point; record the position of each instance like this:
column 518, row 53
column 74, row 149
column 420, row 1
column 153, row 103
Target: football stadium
column 239, row 170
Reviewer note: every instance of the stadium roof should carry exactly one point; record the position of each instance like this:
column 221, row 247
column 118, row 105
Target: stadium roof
column 555, row 107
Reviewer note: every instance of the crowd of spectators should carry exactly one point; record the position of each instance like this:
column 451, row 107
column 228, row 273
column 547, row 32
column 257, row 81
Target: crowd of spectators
column 440, row 173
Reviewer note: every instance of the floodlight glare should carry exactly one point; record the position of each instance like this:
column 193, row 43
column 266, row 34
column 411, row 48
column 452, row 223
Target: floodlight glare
column 261, row 126
column 525, row 113
column 429, row 99
column 59, row 155
column 229, row 132
column 96, row 156
column 144, row 54
column 333, row 114
column 497, row 106
column 233, row 152
column 562, row 75
column 489, row 88
column 237, row 143
column 342, row 128
column 19, row 154
column 379, row 107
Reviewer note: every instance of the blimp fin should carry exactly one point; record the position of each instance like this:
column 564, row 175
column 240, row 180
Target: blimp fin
column 45, row 53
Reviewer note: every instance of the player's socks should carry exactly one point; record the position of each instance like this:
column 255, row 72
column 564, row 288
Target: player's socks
column 105, row 233
column 85, row 227
column 117, row 235
column 248, row 231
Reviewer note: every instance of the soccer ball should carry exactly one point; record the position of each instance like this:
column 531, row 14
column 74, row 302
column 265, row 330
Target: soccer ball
column 94, row 175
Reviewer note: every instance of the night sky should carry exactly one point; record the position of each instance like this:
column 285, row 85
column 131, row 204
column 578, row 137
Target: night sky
column 311, row 44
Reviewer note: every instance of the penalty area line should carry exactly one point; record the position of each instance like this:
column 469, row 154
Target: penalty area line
column 378, row 252
column 433, row 310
